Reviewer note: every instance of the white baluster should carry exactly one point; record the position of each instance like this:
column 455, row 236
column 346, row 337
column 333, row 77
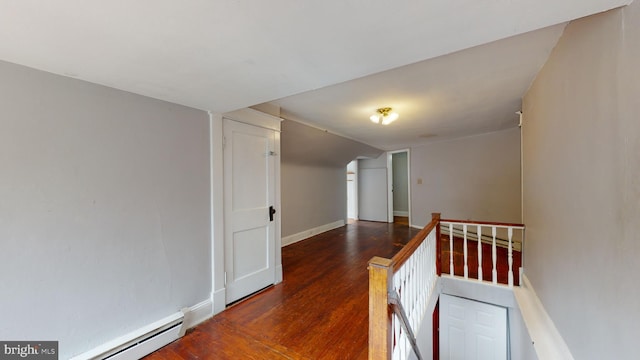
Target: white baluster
column 510, row 257
column 479, row 232
column 466, row 266
column 494, row 272
column 451, row 249
column 413, row 282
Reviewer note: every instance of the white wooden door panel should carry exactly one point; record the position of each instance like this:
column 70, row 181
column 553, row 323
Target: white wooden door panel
column 252, row 247
column 372, row 194
column 249, row 193
column 471, row 330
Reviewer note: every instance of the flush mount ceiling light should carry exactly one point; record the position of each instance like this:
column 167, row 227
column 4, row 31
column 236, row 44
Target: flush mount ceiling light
column 384, row 116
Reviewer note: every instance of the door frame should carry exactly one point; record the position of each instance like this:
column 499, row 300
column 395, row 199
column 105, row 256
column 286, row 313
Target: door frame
column 251, row 218
column 216, row 136
column 390, row 182
column 354, row 198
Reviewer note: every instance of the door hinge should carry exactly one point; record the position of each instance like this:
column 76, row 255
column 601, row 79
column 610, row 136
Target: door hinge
column 225, row 278
column 224, row 142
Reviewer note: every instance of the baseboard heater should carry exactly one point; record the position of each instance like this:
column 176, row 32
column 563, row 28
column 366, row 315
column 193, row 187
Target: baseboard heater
column 141, row 342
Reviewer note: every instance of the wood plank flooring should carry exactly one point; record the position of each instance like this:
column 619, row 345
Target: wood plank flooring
column 319, row 311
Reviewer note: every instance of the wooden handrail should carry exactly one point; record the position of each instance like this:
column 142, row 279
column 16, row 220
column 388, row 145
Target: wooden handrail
column 405, row 253
column 381, row 272
column 483, row 223
column 384, row 272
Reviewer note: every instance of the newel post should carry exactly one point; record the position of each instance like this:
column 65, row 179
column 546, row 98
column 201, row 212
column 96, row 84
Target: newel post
column 380, row 276
column 436, row 217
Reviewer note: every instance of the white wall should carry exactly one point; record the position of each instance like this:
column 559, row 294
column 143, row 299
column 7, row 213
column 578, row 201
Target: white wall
column 313, row 173
column 581, row 188
column 475, row 178
column 520, row 343
column 379, row 162
column 312, row 196
column 104, row 211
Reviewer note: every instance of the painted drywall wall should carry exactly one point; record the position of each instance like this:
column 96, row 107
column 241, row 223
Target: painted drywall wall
column 520, row 343
column 313, row 176
column 377, row 162
column 581, row 139
column 400, row 183
column 312, row 196
column 306, row 145
column 475, row 178
column 104, row 218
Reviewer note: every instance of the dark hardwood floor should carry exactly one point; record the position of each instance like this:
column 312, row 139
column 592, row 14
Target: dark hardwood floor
column 319, row 311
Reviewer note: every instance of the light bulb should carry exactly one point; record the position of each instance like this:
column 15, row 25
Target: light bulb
column 389, row 119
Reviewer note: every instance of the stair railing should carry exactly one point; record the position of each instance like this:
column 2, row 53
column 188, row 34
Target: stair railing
column 399, row 293
column 497, row 235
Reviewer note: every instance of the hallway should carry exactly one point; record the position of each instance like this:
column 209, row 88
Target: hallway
column 319, row 311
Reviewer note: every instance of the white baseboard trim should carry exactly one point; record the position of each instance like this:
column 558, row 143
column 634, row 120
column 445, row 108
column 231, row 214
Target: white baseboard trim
column 288, row 240
column 279, row 274
column 400, row 213
column 197, row 314
column 417, row 227
column 546, row 338
column 219, row 298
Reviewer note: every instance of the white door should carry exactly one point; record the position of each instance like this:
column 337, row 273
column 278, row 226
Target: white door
column 472, row 330
column 372, row 194
column 352, row 190
column 351, row 195
column 249, row 187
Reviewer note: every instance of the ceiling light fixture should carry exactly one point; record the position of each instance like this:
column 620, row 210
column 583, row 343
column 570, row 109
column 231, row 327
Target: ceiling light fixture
column 384, row 116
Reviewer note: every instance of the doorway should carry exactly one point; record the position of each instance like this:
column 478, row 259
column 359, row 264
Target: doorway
column 383, row 187
column 249, row 208
column 399, row 186
column 471, row 329
column 352, row 191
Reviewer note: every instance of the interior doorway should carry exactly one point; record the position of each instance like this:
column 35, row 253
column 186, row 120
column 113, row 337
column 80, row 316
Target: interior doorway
column 249, row 208
column 399, row 186
column 352, row 191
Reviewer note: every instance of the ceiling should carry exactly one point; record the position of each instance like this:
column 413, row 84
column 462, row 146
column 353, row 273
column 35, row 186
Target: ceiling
column 472, row 91
column 221, row 55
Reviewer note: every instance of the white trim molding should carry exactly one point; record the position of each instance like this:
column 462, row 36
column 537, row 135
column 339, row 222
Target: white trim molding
column 219, row 298
column 546, row 338
column 255, row 117
column 197, row 314
column 279, row 274
column 288, row 240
